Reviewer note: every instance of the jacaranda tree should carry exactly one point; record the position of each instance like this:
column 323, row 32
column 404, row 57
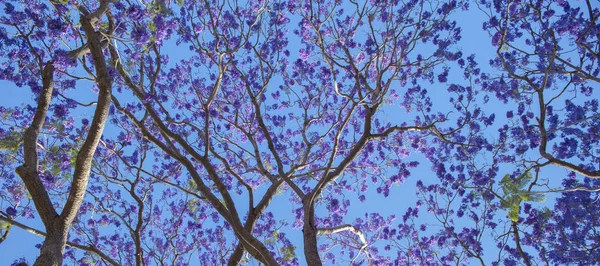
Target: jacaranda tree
column 271, row 132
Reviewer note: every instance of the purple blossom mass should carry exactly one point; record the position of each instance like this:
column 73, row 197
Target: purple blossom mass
column 300, row 132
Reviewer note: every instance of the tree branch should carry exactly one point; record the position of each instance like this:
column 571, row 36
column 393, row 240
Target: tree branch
column 28, row 171
column 89, row 248
column 83, row 162
column 341, row 228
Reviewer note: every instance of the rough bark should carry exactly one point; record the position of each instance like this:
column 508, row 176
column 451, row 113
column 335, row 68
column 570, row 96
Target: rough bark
column 54, row 245
column 28, row 170
column 309, row 230
column 83, row 163
column 57, row 226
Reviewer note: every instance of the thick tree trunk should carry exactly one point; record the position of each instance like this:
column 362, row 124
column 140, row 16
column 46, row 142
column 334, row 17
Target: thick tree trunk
column 236, row 256
column 57, row 226
column 309, row 230
column 51, row 253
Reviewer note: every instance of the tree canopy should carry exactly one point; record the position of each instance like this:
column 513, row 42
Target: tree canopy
column 301, row 132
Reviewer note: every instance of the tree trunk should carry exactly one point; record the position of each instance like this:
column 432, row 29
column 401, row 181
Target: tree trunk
column 51, row 253
column 311, row 250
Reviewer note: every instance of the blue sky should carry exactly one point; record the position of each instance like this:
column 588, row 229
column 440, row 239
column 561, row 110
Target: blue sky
column 475, row 40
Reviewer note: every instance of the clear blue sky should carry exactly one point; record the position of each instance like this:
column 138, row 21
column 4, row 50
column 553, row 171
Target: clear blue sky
column 475, row 40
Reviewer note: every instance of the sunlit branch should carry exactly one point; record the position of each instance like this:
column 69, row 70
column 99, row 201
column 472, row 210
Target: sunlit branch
column 342, row 228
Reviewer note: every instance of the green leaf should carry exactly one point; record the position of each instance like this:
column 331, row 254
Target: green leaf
column 73, row 156
column 192, row 205
column 104, row 26
column 55, row 169
column 191, row 185
column 151, row 26
column 4, row 225
column 288, row 253
column 267, row 165
column 7, row 114
column 516, row 190
column 11, row 142
column 513, row 213
column 4, row 230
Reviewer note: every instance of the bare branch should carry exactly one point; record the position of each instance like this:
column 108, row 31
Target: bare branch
column 342, row 228
column 83, row 162
column 29, row 170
